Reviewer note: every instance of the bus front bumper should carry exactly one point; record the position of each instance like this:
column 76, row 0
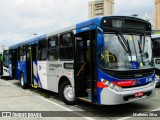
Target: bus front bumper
column 111, row 97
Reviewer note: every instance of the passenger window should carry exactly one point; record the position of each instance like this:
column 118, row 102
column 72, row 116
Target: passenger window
column 53, row 41
column 66, row 40
column 22, row 53
column 42, row 50
column 52, row 48
column 66, row 46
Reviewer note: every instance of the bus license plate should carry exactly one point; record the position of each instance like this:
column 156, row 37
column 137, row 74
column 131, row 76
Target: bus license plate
column 139, row 94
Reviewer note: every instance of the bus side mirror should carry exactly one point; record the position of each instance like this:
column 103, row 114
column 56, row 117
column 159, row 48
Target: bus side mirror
column 100, row 42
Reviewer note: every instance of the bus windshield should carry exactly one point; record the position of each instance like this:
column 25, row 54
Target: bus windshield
column 121, row 50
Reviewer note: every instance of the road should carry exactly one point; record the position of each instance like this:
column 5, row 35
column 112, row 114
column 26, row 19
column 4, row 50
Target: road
column 14, row 98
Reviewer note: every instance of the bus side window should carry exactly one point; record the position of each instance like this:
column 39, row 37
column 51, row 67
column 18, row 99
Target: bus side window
column 66, row 40
column 24, row 53
column 52, row 48
column 20, row 53
column 66, row 46
column 42, row 49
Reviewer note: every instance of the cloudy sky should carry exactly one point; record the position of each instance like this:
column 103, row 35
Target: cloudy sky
column 20, row 19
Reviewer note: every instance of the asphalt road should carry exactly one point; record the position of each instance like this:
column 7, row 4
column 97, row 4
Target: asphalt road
column 14, row 98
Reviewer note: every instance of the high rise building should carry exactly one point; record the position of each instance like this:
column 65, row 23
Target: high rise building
column 157, row 14
column 100, row 8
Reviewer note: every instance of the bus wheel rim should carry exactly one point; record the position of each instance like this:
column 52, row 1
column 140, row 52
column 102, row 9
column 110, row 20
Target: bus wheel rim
column 68, row 93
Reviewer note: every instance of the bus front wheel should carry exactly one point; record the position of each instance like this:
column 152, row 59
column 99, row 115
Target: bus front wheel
column 66, row 93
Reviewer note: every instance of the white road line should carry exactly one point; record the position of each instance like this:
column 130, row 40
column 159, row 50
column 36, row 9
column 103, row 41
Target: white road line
column 67, row 109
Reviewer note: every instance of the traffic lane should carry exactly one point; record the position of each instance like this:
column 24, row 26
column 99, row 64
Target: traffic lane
column 15, row 99
column 111, row 112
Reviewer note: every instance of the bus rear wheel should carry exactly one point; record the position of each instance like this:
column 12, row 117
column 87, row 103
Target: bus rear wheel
column 23, row 84
column 66, row 93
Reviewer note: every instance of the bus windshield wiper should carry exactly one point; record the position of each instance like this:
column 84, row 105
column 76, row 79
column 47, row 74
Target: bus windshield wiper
column 124, row 43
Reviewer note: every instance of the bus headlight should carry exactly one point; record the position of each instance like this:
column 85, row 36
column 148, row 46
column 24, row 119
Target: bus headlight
column 111, row 85
column 117, row 88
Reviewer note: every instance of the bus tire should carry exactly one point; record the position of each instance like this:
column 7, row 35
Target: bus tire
column 66, row 93
column 23, row 84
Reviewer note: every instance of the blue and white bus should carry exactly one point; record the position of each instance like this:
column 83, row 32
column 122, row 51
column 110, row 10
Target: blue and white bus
column 104, row 60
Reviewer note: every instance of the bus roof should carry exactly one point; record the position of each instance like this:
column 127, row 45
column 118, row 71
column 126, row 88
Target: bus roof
column 28, row 42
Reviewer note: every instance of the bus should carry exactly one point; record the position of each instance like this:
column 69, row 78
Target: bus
column 104, row 60
column 156, row 56
column 4, row 66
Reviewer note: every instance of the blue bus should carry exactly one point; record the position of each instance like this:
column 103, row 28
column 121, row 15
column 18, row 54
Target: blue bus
column 104, row 61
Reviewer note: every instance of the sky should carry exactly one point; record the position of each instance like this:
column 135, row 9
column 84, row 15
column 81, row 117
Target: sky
column 21, row 19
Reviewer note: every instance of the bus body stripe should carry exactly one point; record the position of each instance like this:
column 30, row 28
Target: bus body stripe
column 101, row 85
column 40, row 85
column 35, row 78
column 125, row 83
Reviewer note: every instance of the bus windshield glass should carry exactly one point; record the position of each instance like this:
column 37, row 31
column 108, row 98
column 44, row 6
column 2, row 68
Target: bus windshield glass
column 156, row 47
column 121, row 50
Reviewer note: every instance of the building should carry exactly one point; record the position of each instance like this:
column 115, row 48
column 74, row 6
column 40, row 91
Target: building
column 157, row 14
column 100, row 8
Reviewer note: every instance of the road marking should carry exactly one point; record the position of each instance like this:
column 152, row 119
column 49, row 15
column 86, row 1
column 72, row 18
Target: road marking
column 67, row 109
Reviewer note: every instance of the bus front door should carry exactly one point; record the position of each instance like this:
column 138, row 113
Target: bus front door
column 85, row 68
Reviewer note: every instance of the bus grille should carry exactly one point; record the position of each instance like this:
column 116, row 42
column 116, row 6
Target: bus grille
column 131, row 76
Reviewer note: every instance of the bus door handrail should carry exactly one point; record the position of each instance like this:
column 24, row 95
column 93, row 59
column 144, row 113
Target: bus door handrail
column 81, row 69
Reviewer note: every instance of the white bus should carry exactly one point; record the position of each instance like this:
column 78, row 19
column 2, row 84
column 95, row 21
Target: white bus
column 4, row 66
column 156, row 56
